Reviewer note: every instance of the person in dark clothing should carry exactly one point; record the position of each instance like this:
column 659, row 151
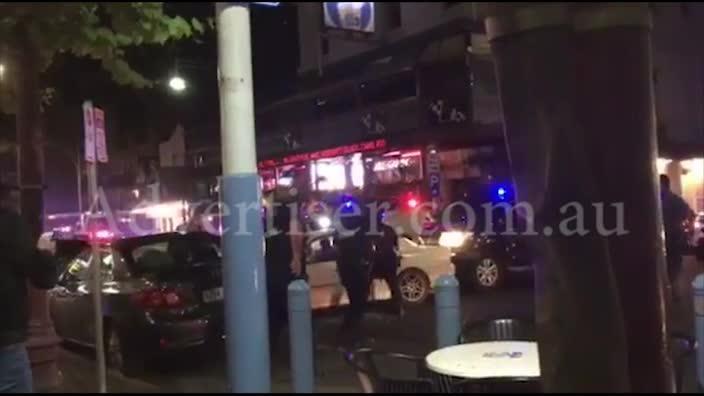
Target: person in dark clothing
column 386, row 260
column 285, row 261
column 20, row 261
column 353, row 265
column 675, row 212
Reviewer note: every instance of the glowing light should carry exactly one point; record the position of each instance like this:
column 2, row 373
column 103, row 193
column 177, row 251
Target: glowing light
column 324, row 222
column 661, row 164
column 103, row 234
column 2, row 71
column 357, row 171
column 453, row 239
column 177, row 84
column 135, row 193
column 410, row 154
column 162, row 210
column 412, row 203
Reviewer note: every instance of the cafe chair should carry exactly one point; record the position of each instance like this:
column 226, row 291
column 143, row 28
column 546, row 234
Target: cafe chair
column 495, row 385
column 682, row 347
column 503, row 329
column 409, row 372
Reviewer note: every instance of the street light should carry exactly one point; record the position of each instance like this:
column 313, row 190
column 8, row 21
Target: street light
column 176, row 83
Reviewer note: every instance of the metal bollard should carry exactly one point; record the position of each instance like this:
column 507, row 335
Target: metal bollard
column 301, row 336
column 447, row 310
column 698, row 292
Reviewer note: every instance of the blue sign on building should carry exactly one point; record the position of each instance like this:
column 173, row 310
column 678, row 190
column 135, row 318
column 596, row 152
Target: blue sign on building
column 358, row 16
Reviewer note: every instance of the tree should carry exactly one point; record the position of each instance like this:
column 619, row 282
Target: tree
column 31, row 36
column 576, row 93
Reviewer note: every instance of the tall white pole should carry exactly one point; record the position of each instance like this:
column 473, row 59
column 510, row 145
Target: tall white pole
column 244, row 278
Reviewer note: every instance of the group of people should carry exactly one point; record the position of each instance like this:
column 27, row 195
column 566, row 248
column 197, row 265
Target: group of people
column 364, row 252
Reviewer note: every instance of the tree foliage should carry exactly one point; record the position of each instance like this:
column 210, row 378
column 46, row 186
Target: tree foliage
column 98, row 31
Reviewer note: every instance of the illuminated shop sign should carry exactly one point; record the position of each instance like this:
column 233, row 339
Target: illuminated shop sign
column 328, row 153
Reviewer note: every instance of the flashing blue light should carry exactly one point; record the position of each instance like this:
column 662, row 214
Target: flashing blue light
column 501, row 191
column 348, row 204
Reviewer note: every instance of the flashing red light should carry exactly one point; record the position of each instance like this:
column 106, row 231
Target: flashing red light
column 103, row 234
column 158, row 299
column 412, row 203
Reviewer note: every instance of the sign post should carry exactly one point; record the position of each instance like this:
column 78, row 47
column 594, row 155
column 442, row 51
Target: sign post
column 95, row 125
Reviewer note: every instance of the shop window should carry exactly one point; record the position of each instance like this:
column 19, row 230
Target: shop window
column 397, row 167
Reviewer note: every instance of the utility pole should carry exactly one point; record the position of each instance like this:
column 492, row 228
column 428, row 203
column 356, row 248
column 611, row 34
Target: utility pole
column 247, row 326
column 79, row 188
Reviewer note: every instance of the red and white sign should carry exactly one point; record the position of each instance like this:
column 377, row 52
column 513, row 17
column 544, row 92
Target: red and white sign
column 100, row 146
column 89, row 131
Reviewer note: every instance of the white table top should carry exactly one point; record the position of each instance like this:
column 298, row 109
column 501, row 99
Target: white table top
column 494, row 359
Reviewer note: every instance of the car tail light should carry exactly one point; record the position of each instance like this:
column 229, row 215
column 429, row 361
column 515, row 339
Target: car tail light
column 159, row 299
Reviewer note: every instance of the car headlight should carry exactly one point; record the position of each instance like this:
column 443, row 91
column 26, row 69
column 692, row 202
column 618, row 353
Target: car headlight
column 324, row 222
column 454, row 239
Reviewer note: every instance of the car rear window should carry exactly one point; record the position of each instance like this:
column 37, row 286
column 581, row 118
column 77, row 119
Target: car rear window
column 172, row 254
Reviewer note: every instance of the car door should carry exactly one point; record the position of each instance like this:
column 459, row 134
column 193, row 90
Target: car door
column 82, row 323
column 323, row 279
column 66, row 298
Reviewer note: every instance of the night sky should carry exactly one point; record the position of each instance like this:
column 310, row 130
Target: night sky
column 135, row 112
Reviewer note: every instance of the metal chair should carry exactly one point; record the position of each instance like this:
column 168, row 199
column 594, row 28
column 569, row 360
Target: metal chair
column 504, row 329
column 373, row 380
column 496, row 385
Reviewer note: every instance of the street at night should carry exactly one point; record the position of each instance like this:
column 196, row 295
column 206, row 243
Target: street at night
column 376, row 197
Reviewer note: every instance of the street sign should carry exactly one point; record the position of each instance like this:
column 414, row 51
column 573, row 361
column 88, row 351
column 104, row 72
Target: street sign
column 100, row 146
column 89, row 131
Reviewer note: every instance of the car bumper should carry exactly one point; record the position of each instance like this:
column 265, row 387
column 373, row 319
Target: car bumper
column 153, row 336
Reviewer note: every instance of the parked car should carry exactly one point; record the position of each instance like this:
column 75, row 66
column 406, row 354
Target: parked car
column 161, row 293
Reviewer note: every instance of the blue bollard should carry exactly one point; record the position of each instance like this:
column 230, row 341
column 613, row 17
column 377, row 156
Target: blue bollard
column 447, row 310
column 698, row 292
column 301, row 336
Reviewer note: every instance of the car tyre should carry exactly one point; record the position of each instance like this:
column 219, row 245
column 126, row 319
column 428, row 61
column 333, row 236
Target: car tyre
column 414, row 285
column 488, row 273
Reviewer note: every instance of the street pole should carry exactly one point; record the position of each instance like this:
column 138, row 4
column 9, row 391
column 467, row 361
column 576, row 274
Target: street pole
column 97, row 286
column 246, row 318
column 79, row 187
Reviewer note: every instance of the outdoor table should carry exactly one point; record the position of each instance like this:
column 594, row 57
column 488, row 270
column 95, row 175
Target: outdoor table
column 496, row 360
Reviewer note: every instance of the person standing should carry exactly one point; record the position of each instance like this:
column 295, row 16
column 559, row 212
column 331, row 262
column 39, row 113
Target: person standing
column 353, row 264
column 284, row 259
column 386, row 260
column 675, row 212
column 20, row 262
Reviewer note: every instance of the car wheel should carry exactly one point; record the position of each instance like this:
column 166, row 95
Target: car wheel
column 488, row 274
column 414, row 285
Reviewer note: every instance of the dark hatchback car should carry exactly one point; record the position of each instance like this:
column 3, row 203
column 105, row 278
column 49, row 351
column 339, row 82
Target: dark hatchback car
column 161, row 293
column 494, row 252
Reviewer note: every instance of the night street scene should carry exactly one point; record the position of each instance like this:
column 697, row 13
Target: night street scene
column 351, row 197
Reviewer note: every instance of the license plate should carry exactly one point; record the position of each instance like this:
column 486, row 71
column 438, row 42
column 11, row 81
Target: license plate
column 213, row 295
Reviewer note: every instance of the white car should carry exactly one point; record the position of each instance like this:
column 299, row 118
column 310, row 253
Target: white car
column 421, row 265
